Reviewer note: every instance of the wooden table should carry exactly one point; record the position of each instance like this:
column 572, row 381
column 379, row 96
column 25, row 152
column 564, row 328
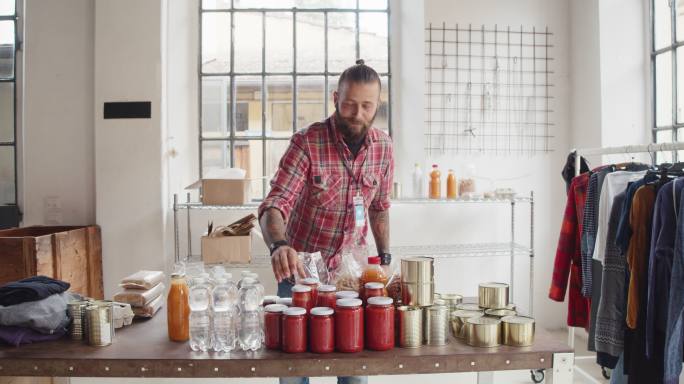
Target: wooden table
column 143, row 350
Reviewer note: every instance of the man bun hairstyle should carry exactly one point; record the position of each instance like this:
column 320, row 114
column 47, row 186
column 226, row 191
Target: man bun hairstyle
column 359, row 73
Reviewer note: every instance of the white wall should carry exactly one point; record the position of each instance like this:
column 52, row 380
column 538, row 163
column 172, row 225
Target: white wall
column 57, row 144
column 128, row 152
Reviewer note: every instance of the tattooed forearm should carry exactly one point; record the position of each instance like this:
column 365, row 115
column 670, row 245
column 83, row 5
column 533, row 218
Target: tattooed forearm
column 379, row 221
column 272, row 225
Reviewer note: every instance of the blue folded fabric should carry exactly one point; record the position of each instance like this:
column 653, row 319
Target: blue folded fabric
column 17, row 336
column 30, row 289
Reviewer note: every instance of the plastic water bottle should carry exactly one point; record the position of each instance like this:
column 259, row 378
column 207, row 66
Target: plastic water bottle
column 418, row 182
column 200, row 317
column 225, row 314
column 251, row 331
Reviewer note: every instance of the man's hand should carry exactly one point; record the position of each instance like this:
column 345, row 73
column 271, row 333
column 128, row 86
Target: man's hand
column 285, row 263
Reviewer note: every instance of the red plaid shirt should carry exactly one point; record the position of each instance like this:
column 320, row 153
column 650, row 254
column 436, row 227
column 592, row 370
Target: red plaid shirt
column 568, row 256
column 317, row 180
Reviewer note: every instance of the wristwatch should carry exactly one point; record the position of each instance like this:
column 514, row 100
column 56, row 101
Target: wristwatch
column 276, row 244
column 385, row 258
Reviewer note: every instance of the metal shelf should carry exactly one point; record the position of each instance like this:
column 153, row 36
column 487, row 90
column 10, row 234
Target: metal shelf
column 195, row 205
column 464, row 200
column 257, row 261
column 463, row 250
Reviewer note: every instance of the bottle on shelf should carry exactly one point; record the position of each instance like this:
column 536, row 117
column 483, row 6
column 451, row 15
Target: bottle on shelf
column 435, row 183
column 418, row 190
column 374, row 273
column 250, row 334
column 225, row 314
column 452, row 187
column 200, row 318
column 178, row 309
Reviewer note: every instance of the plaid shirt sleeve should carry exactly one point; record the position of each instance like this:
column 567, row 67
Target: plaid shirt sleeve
column 381, row 201
column 289, row 180
column 565, row 250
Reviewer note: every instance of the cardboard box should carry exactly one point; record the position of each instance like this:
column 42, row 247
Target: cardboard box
column 224, row 187
column 227, row 249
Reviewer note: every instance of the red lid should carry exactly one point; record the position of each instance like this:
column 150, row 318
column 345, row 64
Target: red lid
column 374, row 260
column 434, row 165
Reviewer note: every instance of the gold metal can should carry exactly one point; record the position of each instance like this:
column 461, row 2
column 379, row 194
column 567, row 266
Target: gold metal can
column 468, row 307
column 410, row 327
column 417, row 281
column 436, row 325
column 100, row 324
column 483, row 332
column 417, row 294
column 438, row 302
column 452, row 300
column 500, row 313
column 517, row 331
column 458, row 319
column 493, row 295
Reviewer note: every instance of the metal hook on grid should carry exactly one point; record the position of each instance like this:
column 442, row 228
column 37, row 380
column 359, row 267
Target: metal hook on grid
column 515, row 59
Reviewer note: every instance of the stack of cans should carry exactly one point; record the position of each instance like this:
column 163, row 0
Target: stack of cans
column 76, row 311
column 92, row 321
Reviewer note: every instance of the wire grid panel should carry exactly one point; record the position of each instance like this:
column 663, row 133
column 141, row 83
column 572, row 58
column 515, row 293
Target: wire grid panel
column 488, row 90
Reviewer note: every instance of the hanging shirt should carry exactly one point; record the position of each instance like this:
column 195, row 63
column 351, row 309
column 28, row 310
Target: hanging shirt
column 316, row 184
column 673, row 333
column 624, row 231
column 610, row 316
column 590, row 226
column 640, row 222
column 566, row 267
column 660, row 263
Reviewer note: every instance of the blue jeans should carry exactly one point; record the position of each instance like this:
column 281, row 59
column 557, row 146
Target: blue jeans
column 285, row 290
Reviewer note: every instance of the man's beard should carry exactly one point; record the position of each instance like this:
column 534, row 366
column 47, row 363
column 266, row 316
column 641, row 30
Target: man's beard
column 346, row 130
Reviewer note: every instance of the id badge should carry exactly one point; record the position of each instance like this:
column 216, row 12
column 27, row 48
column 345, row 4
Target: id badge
column 359, row 211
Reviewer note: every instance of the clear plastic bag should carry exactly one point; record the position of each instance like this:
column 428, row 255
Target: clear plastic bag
column 139, row 297
column 142, row 280
column 393, row 271
column 314, row 266
column 347, row 277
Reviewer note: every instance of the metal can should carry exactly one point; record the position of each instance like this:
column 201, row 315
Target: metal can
column 410, row 327
column 396, row 190
column 500, row 313
column 452, row 300
column 100, row 324
column 468, row 307
column 517, row 331
column 483, row 332
column 493, row 295
column 436, row 325
column 458, row 320
column 417, row 281
column 76, row 312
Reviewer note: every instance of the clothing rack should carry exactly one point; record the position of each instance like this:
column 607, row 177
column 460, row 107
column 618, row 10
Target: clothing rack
column 627, row 149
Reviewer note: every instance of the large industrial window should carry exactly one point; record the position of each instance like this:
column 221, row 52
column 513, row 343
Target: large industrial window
column 268, row 68
column 9, row 213
column 667, row 64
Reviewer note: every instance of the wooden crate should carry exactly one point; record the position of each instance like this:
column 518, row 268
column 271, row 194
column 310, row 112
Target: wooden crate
column 69, row 253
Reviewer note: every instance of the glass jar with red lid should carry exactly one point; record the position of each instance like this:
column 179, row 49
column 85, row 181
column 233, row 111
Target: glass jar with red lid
column 273, row 326
column 302, row 297
column 294, row 330
column 373, row 289
column 326, row 296
column 322, row 330
column 312, row 283
column 349, row 325
column 380, row 323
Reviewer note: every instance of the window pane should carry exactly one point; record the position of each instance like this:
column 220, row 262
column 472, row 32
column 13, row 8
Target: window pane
column 279, row 42
column 215, row 106
column 663, row 100
column 274, row 151
column 7, row 176
column 216, row 4
column 215, row 156
column 332, row 87
column 373, row 40
column 310, row 100
column 662, row 23
column 381, row 118
column 248, row 106
column 215, row 42
column 310, row 42
column 680, row 137
column 6, row 49
column 7, row 7
column 680, row 20
column 249, row 156
column 326, row 4
column 248, row 36
column 664, row 137
column 373, row 4
column 279, row 106
column 341, row 41
column 264, row 3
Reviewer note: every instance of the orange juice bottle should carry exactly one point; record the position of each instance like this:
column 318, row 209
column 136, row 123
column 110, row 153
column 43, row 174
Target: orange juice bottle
column 373, row 274
column 452, row 189
column 178, row 309
column 435, row 183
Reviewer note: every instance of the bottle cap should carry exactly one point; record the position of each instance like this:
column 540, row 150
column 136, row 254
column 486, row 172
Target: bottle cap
column 346, row 295
column 294, row 311
column 380, row 300
column 374, row 260
column 322, row 311
column 275, row 308
column 327, row 288
column 301, row 288
column 374, row 285
column 349, row 303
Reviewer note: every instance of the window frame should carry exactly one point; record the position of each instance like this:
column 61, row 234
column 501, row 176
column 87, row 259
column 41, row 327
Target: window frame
column 326, row 75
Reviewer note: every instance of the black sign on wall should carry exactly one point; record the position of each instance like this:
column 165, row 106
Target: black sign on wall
column 128, row 110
